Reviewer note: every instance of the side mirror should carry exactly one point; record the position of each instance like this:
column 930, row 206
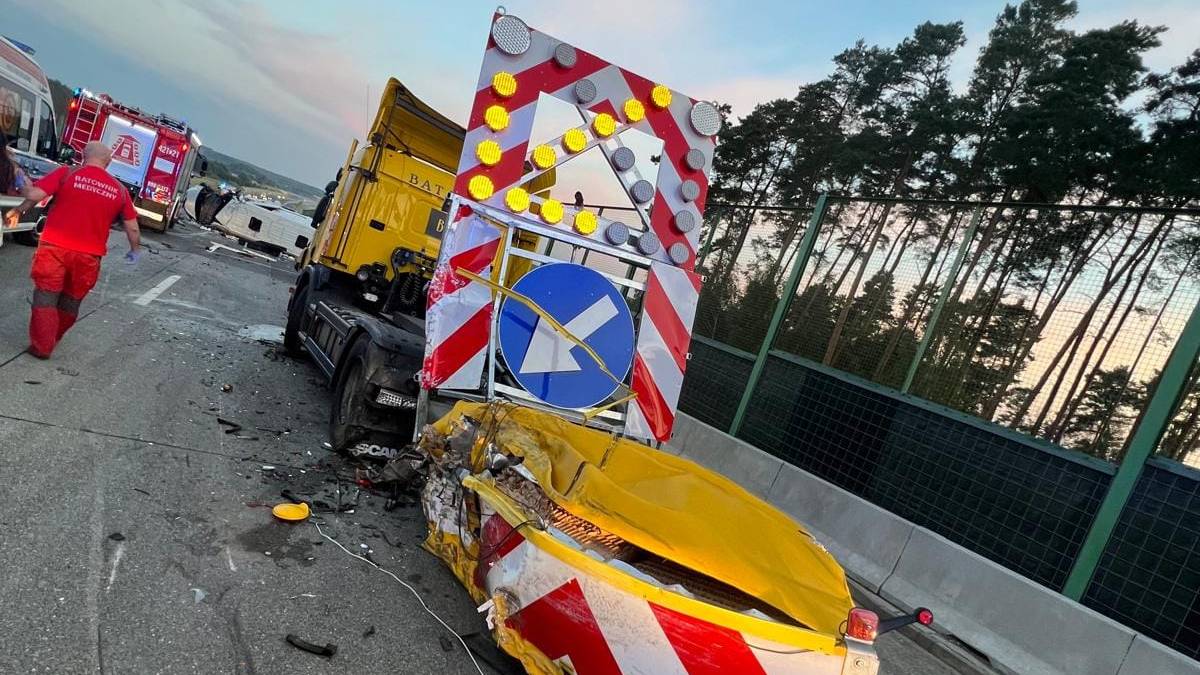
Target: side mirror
column 66, row 154
column 203, row 166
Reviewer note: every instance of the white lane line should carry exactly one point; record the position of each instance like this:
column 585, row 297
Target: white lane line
column 149, row 296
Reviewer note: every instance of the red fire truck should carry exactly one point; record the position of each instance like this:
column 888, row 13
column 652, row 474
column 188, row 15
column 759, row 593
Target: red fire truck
column 153, row 155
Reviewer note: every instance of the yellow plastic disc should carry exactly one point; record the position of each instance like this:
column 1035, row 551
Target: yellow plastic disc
column 291, row 511
column 504, row 84
column 604, row 125
column 660, row 96
column 517, row 199
column 488, row 152
column 585, row 222
column 552, row 211
column 634, row 110
column 544, row 157
column 574, row 140
column 496, row 117
column 480, row 187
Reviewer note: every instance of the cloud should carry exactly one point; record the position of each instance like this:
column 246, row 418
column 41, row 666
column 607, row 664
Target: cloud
column 253, row 69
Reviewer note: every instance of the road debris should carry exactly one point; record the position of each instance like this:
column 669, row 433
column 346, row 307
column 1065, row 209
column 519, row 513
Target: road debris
column 327, row 651
column 291, row 512
column 198, row 595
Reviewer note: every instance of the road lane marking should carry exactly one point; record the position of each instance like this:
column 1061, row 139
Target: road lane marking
column 149, row 296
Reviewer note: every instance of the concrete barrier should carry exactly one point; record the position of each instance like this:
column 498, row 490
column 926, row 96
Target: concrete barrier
column 1147, row 656
column 1021, row 626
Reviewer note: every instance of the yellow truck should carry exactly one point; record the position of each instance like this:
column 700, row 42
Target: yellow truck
column 358, row 304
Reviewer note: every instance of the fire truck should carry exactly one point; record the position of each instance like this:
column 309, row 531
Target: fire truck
column 153, row 155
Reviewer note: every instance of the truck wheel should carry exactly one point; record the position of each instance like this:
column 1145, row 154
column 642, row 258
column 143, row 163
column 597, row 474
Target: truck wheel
column 349, row 408
column 30, row 237
column 296, row 310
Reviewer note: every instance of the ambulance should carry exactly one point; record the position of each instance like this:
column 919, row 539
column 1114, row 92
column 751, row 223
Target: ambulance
column 27, row 120
column 153, row 155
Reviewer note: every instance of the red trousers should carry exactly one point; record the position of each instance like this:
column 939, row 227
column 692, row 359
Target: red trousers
column 61, row 279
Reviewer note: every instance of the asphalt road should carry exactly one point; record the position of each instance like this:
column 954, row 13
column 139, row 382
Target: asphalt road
column 135, row 534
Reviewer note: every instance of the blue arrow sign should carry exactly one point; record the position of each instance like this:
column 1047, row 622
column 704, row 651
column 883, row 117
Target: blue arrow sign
column 546, row 364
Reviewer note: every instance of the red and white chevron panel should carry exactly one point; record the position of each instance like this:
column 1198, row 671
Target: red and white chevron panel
column 459, row 312
column 537, row 71
column 664, row 336
column 591, row 627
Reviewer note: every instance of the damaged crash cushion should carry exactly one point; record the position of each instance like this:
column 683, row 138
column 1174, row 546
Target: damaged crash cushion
column 673, row 508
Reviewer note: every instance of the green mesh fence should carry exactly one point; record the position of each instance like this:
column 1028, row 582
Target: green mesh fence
column 978, row 369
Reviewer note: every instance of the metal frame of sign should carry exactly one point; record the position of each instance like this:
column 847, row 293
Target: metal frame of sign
column 612, row 419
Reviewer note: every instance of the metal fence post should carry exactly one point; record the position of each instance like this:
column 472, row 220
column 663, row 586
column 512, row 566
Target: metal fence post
column 781, row 307
column 1159, row 412
column 947, row 288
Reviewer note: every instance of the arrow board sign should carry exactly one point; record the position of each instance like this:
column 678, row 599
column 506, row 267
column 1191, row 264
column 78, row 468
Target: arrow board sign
column 544, row 362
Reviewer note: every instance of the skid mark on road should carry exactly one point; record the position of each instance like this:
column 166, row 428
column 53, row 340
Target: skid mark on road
column 149, row 296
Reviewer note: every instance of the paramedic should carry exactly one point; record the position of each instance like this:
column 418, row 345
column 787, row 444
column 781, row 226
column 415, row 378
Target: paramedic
column 67, row 262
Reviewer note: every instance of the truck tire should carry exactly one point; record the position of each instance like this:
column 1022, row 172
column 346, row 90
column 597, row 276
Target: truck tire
column 291, row 332
column 349, row 408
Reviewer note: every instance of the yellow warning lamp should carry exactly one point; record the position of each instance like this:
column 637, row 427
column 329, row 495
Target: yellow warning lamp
column 552, row 211
column 496, row 117
column 544, row 157
column 604, row 125
column 574, row 140
column 585, row 222
column 504, row 84
column 634, row 110
column 517, row 200
column 488, row 152
column 660, row 96
column 480, row 188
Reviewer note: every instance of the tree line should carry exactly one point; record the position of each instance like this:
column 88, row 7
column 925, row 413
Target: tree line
column 1059, row 318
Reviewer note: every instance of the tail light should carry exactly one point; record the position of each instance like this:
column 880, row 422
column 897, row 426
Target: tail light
column 73, row 105
column 185, row 148
column 862, row 624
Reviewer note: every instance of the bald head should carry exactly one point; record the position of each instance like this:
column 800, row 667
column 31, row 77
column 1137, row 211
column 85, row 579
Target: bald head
column 97, row 153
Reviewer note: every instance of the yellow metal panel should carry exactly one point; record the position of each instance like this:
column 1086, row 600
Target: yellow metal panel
column 673, row 508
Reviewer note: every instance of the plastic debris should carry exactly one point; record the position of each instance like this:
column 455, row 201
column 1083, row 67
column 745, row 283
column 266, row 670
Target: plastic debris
column 291, row 512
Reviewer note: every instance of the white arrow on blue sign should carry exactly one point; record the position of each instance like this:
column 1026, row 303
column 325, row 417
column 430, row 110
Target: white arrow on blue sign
column 546, row 364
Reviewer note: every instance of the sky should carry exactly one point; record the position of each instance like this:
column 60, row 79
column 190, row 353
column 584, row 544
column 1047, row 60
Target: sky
column 286, row 84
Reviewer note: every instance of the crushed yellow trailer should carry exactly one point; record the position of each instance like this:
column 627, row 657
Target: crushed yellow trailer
column 592, row 553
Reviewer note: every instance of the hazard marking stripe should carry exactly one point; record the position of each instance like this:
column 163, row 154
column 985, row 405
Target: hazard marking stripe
column 659, row 364
column 706, row 648
column 475, row 260
column 456, row 350
column 561, row 624
column 659, row 415
column 675, row 335
column 546, row 76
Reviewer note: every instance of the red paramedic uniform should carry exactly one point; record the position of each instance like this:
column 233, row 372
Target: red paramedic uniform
column 86, row 202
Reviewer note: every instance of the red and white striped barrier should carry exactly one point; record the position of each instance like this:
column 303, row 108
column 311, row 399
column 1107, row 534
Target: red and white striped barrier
column 589, row 625
column 459, row 311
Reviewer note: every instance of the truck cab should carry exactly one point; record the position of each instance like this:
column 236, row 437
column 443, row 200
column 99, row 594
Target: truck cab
column 358, row 305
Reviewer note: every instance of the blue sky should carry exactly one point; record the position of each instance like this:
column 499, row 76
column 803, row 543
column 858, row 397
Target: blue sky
column 286, row 85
